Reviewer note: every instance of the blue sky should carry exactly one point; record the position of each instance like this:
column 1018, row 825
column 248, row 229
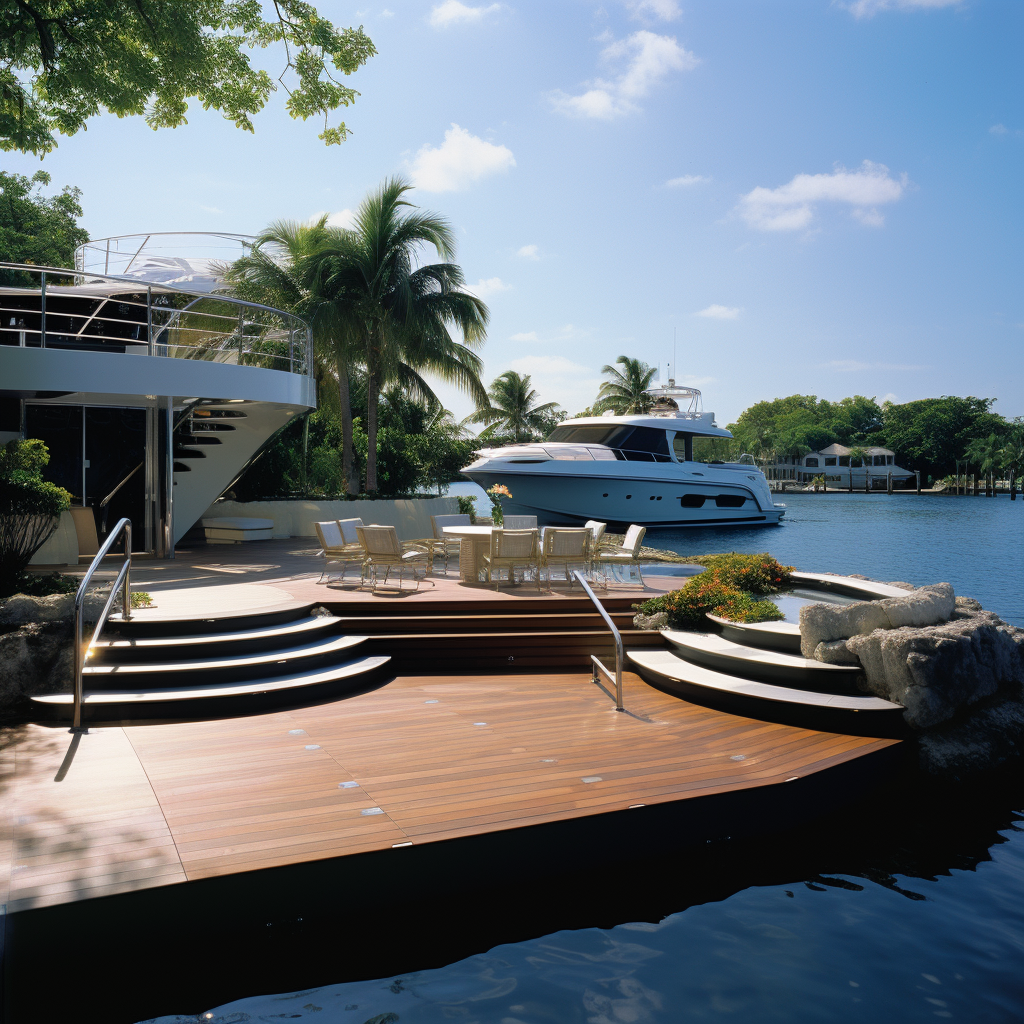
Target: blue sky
column 817, row 197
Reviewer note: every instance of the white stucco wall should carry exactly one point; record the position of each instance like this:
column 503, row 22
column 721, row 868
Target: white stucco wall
column 410, row 517
column 62, row 547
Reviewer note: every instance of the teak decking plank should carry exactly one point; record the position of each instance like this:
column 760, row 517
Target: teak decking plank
column 195, row 800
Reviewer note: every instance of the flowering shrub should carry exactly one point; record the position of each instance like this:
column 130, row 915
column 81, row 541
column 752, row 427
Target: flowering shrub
column 725, row 588
column 496, row 493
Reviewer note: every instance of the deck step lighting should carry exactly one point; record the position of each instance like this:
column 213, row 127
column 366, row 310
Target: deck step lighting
column 430, row 702
column 395, row 846
column 738, row 757
column 312, row 746
column 296, row 732
column 592, row 778
column 633, row 807
column 370, row 810
column 347, row 785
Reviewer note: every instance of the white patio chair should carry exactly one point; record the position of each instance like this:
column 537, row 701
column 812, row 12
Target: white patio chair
column 565, row 548
column 520, row 523
column 511, row 549
column 385, row 551
column 596, row 534
column 443, row 545
column 628, row 555
column 335, row 550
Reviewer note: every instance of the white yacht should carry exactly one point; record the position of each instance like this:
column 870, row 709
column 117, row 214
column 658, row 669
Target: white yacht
column 631, row 469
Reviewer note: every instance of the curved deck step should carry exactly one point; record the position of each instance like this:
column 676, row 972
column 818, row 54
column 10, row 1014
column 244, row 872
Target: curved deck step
column 226, row 667
column 781, row 636
column 668, row 666
column 150, row 623
column 716, row 652
column 125, row 649
column 866, row 590
column 209, row 691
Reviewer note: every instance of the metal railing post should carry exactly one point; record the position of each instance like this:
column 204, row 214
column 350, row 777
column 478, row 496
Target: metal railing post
column 42, row 309
column 122, row 586
column 149, row 320
column 616, row 636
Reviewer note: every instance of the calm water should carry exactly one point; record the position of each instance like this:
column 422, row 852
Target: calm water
column 908, row 907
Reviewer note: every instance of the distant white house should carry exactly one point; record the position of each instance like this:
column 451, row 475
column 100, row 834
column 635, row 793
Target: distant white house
column 840, row 470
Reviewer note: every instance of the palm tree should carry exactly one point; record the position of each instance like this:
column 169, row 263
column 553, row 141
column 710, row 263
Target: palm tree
column 510, row 408
column 1013, row 453
column 624, row 391
column 276, row 272
column 985, row 452
column 401, row 314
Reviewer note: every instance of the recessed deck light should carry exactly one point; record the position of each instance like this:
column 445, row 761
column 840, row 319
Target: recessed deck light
column 738, row 757
column 592, row 778
column 296, row 732
column 430, row 701
column 479, row 723
column 395, row 846
column 366, row 811
column 312, row 746
column 549, row 760
column 347, row 785
column 633, row 807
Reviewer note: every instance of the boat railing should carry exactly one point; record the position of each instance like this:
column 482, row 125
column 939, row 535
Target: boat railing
column 55, row 307
column 122, row 586
column 587, row 453
column 596, row 663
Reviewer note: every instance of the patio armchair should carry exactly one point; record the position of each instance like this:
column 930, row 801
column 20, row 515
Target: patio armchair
column 335, row 549
column 628, row 554
column 520, row 523
column 565, row 548
column 443, row 545
column 385, row 551
column 511, row 550
column 596, row 535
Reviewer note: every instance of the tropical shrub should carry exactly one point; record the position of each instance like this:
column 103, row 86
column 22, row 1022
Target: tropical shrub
column 728, row 587
column 30, row 507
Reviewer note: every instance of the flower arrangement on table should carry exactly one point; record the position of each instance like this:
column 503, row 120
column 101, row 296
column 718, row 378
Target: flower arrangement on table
column 496, row 493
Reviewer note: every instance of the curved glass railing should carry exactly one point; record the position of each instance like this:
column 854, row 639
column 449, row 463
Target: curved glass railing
column 53, row 307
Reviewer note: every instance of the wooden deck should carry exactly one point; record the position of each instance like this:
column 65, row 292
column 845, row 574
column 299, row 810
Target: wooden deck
column 421, row 759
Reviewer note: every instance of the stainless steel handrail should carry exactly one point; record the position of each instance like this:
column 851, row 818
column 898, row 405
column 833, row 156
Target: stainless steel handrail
column 122, row 583
column 616, row 636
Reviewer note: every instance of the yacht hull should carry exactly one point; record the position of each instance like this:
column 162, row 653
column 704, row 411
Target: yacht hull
column 654, row 499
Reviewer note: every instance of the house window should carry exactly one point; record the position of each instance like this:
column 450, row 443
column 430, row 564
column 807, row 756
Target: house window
column 888, row 460
column 844, row 460
column 855, row 463
column 879, row 460
column 811, row 462
column 830, row 462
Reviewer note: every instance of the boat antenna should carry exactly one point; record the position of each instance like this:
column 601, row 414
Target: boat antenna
column 673, row 353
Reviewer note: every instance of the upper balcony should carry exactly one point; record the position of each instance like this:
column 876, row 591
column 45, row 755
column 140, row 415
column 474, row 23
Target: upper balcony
column 58, row 308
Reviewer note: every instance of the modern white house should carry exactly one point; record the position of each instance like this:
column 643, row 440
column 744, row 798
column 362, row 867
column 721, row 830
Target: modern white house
column 871, row 471
column 151, row 392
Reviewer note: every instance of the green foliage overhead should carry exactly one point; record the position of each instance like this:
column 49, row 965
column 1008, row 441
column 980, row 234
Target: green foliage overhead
column 35, row 228
column 510, row 410
column 729, row 587
column 63, row 61
column 624, row 391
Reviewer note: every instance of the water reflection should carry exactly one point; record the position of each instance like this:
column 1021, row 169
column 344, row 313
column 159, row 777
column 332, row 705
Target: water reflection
column 907, row 906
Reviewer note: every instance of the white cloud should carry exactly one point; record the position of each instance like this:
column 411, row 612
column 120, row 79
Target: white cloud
column 387, row 14
column 491, row 286
column 716, row 312
column 999, row 129
column 525, row 336
column 791, row 207
column 558, row 379
column 529, row 252
column 686, row 180
column 458, row 162
column 663, row 10
column 869, row 8
column 451, row 12
column 207, row 209
column 648, row 58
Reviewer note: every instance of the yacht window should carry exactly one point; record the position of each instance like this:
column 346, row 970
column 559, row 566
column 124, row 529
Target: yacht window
column 729, row 500
column 634, row 444
column 692, row 501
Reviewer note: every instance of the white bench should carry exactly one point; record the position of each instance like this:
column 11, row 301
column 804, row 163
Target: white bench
column 235, row 529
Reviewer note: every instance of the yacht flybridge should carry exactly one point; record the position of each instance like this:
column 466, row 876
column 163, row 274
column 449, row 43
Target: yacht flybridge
column 631, row 469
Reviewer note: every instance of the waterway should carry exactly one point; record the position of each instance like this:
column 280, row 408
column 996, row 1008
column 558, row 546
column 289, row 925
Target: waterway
column 906, row 907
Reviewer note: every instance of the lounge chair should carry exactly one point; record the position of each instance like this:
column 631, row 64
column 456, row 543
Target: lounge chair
column 565, row 548
column 511, row 550
column 335, row 550
column 443, row 545
column 385, row 551
column 596, row 534
column 628, row 554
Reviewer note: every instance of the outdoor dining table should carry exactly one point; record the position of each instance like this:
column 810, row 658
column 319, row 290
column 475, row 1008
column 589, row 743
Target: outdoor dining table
column 475, row 543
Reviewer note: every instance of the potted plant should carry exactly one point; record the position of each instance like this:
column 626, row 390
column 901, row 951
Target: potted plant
column 496, row 493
